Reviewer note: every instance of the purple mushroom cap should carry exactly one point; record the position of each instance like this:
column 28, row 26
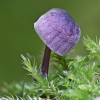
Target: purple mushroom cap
column 58, row 31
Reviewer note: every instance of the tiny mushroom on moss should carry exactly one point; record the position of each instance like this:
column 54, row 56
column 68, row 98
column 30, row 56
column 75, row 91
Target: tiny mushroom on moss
column 97, row 98
column 58, row 30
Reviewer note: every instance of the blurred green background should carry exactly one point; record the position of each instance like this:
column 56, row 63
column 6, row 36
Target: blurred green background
column 17, row 35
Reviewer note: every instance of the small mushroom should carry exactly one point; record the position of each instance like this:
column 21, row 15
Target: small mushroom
column 58, row 30
column 97, row 98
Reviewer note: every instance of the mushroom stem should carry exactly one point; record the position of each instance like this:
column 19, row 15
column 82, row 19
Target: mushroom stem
column 45, row 62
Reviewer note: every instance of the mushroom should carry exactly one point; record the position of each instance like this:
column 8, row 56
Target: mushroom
column 97, row 98
column 58, row 30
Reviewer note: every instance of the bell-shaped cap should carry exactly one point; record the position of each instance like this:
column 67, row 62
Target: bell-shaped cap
column 58, row 31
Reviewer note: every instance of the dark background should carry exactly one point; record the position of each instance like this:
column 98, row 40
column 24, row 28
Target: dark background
column 17, row 35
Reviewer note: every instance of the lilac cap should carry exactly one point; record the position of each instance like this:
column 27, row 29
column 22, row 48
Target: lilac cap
column 58, row 31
